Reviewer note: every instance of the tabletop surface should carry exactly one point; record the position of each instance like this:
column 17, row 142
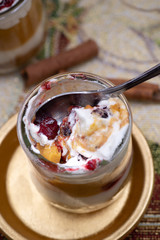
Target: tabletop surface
column 128, row 36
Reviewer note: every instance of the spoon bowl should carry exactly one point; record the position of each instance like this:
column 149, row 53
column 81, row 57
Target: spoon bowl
column 59, row 104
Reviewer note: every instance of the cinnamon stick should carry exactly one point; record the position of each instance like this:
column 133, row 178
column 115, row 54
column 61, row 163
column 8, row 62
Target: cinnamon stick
column 144, row 91
column 43, row 69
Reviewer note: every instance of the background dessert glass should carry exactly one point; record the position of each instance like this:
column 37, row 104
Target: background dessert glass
column 22, row 31
column 85, row 192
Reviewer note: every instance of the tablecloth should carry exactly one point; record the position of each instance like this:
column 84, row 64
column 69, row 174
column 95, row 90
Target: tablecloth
column 128, row 35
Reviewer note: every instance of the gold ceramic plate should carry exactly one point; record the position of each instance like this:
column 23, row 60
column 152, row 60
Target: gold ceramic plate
column 24, row 214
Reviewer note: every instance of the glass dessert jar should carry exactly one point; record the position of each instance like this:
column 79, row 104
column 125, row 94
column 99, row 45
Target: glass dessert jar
column 97, row 182
column 22, row 31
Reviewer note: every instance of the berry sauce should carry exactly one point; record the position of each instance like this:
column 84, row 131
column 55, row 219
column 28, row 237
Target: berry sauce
column 91, row 165
column 49, row 127
column 46, row 85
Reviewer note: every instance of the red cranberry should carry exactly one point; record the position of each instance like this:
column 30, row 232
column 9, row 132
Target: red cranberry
column 49, row 127
column 65, row 128
column 103, row 113
column 6, row 3
column 46, row 85
column 91, row 164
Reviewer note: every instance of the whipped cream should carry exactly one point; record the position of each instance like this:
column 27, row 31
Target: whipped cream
column 93, row 136
column 96, row 133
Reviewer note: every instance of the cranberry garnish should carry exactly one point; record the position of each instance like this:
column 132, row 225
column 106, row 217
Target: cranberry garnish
column 91, row 164
column 6, row 3
column 49, row 127
column 102, row 112
column 66, row 131
column 46, row 85
column 65, row 128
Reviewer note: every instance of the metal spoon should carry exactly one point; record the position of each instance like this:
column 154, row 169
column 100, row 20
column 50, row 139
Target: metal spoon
column 59, row 104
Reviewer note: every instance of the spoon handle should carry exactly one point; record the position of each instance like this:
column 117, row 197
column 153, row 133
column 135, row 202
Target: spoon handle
column 152, row 72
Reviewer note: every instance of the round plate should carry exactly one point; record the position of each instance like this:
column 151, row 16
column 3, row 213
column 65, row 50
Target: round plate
column 24, row 214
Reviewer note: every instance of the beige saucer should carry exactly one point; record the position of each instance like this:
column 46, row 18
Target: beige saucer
column 24, row 214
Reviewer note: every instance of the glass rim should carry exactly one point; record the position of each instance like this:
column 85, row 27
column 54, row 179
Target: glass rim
column 12, row 8
column 66, row 174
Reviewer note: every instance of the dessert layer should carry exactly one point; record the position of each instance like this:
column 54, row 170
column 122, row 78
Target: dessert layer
column 9, row 19
column 5, row 5
column 86, row 137
column 11, row 56
column 15, row 33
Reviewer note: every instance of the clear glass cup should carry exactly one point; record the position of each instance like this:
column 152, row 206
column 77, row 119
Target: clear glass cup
column 22, row 33
column 79, row 193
